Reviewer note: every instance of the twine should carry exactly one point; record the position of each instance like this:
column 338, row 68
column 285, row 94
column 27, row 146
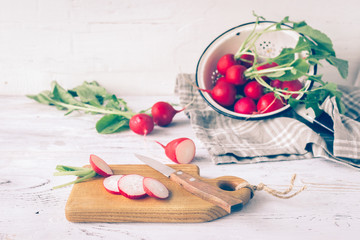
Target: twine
column 279, row 194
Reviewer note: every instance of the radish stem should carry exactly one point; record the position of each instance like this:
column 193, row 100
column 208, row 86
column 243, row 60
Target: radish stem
column 86, row 177
column 77, row 173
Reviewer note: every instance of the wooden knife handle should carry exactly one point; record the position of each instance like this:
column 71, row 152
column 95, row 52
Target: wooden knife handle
column 206, row 191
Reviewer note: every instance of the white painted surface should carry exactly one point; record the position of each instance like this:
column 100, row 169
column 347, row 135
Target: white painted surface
column 34, row 138
column 136, row 47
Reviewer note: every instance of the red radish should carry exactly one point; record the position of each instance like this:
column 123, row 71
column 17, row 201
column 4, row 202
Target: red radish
column 223, row 93
column 294, row 85
column 141, row 124
column 222, row 79
column 225, row 62
column 246, row 60
column 266, row 66
column 253, row 90
column 235, row 74
column 100, row 166
column 131, row 186
column 269, row 103
column 276, row 83
column 245, row 105
column 111, row 184
column 163, row 113
column 180, row 150
column 155, row 188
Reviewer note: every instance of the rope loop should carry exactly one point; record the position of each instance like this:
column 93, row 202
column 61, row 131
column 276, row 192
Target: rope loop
column 275, row 193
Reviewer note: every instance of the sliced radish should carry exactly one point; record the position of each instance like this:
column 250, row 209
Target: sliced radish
column 111, row 184
column 185, row 151
column 131, row 186
column 155, row 188
column 100, row 166
column 180, row 150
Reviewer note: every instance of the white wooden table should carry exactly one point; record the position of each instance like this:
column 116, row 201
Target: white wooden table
column 34, row 138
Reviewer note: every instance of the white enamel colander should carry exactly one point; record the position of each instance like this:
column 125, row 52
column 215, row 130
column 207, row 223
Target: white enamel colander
column 268, row 45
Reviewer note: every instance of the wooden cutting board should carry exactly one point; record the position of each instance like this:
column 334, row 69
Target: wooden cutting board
column 90, row 202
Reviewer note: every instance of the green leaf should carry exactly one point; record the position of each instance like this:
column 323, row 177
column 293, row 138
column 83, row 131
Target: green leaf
column 316, row 97
column 43, row 97
column 89, row 98
column 301, row 67
column 293, row 102
column 316, row 78
column 302, row 45
column 61, row 95
column 340, row 64
column 91, row 93
column 112, row 123
column 287, row 55
column 321, row 39
column 116, row 103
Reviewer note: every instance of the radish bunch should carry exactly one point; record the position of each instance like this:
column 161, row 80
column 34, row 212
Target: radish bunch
column 162, row 114
column 266, row 84
column 134, row 186
column 240, row 85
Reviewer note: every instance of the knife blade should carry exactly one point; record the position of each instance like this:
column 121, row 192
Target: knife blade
column 195, row 185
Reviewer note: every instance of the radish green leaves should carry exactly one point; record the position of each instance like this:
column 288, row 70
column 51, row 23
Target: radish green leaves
column 92, row 98
column 313, row 47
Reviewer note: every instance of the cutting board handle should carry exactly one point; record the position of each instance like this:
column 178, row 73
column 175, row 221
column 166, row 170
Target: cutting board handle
column 220, row 191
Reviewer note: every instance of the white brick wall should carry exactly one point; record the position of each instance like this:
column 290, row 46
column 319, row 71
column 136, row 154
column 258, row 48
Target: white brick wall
column 136, row 47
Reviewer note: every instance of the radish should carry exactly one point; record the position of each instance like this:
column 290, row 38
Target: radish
column 245, row 105
column 221, row 79
column 131, row 186
column 163, row 113
column 223, row 93
column 180, row 150
column 276, row 83
column 235, row 75
column 269, row 103
column 100, row 166
column 155, row 188
column 224, row 63
column 253, row 90
column 247, row 60
column 141, row 124
column 111, row 184
column 294, row 85
column 266, row 66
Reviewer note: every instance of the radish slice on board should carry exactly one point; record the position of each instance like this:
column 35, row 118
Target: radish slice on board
column 100, row 166
column 111, row 184
column 155, row 188
column 131, row 186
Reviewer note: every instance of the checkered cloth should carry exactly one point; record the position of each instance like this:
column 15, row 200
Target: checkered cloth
column 284, row 137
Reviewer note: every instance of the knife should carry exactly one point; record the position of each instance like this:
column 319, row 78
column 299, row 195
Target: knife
column 196, row 186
